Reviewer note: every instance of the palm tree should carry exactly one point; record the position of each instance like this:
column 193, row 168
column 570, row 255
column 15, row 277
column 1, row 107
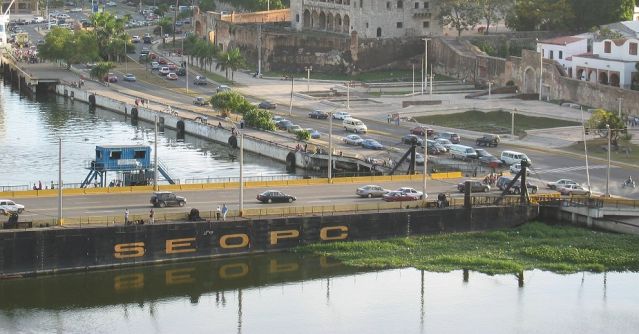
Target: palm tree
column 235, row 61
column 100, row 70
column 106, row 29
column 223, row 63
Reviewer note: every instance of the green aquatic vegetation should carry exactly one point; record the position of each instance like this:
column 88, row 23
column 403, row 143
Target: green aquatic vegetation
column 562, row 249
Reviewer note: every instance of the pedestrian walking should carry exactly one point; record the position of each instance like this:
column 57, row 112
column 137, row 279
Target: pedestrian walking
column 397, row 120
column 39, row 185
column 126, row 216
column 388, row 118
column 225, row 210
column 151, row 217
column 218, row 212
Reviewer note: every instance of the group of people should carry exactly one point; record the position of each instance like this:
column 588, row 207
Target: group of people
column 26, row 55
column 220, row 213
column 491, row 179
column 38, row 186
column 142, row 102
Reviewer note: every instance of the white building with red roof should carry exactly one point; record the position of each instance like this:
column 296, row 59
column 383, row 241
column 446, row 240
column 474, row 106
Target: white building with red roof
column 612, row 62
column 561, row 50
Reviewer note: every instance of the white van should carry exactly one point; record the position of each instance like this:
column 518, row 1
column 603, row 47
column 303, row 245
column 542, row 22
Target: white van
column 355, row 125
column 513, row 157
column 462, row 152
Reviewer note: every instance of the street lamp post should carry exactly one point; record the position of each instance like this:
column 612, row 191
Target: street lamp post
column 425, row 61
column 608, row 171
column 330, row 146
column 541, row 69
column 413, row 79
column 155, row 156
column 425, row 161
column 620, row 100
column 241, row 213
column 308, row 70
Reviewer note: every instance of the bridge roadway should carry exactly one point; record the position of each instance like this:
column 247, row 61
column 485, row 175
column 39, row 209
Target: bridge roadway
column 113, row 205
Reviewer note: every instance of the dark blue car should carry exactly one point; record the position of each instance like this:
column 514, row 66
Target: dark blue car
column 372, row 144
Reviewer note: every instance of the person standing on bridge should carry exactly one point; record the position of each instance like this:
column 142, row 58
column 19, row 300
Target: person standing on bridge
column 126, row 216
column 225, row 210
column 151, row 216
column 218, row 212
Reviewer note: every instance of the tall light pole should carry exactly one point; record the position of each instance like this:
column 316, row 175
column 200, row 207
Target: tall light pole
column 432, row 77
column 348, row 95
column 608, row 171
column 413, row 79
column 425, row 161
column 126, row 64
column 541, row 69
column 620, row 100
column 259, row 50
column 512, row 123
column 425, row 61
column 330, row 146
column 155, row 156
column 60, row 221
column 583, row 125
column 290, row 107
column 308, row 70
column 241, row 213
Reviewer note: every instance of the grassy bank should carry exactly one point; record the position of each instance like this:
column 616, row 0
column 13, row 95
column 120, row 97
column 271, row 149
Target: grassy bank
column 498, row 122
column 532, row 246
column 598, row 148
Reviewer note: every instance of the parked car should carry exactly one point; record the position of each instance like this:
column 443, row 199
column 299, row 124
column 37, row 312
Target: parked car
column 475, row 186
column 9, row 206
column 398, row 196
column 371, row 191
column 444, row 142
column 172, row 76
column 488, row 140
column 164, row 70
column 372, row 144
column 420, row 130
column 267, row 105
column 516, row 168
column 435, row 148
column 502, row 182
column 200, row 101
column 341, row 115
column 129, row 77
column 271, row 196
column 318, row 114
column 294, row 128
column 419, row 159
column 166, row 198
column 412, row 140
column 353, row 140
column 283, row 124
column 453, row 137
column 573, row 189
column 412, row 192
column 560, row 183
column 200, row 80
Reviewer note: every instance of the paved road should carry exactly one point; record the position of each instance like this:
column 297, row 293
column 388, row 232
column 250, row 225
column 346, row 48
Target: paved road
column 315, row 195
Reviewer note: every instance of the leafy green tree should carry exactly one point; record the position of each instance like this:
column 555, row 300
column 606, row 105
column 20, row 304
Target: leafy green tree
column 109, row 32
column 227, row 102
column 303, row 135
column 69, row 47
column 100, row 70
column 165, row 26
column 600, row 119
column 207, row 5
column 259, row 118
column 460, row 14
column 231, row 60
column 493, row 10
column 589, row 13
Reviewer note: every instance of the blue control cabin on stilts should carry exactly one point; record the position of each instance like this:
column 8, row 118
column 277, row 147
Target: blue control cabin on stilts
column 132, row 163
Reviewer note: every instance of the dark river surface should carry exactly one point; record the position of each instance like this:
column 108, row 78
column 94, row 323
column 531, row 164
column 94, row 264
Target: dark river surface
column 30, row 128
column 290, row 293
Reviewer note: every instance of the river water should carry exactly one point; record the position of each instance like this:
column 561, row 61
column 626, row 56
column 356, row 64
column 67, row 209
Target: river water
column 29, row 132
column 288, row 293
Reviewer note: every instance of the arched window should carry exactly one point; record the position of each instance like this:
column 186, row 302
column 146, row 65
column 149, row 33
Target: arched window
column 379, row 32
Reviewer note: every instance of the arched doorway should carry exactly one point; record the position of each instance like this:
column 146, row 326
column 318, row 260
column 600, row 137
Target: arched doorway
column 346, row 24
column 603, row 78
column 529, row 81
column 322, row 21
column 379, row 32
column 315, row 20
column 338, row 23
column 580, row 74
column 614, row 79
column 592, row 76
column 307, row 19
column 329, row 22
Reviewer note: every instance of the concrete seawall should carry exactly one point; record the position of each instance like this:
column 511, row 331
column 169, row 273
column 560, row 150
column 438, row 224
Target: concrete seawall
column 251, row 144
column 52, row 250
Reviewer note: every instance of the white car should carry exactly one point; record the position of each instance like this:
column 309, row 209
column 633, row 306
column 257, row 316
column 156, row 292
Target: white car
column 444, row 142
column 412, row 192
column 516, row 168
column 63, row 16
column 341, row 115
column 573, row 189
column 353, row 140
column 75, row 10
column 9, row 206
column 136, row 39
column 560, row 183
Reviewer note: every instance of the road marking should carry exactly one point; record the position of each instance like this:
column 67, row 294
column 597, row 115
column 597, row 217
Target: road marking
column 383, row 133
column 571, row 169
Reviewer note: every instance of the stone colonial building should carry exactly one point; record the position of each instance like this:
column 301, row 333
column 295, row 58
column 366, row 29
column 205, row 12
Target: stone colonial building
column 20, row 6
column 368, row 18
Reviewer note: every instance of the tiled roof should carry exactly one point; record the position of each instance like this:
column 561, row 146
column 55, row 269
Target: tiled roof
column 562, row 40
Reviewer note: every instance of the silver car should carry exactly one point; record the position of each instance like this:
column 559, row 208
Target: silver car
column 353, row 140
column 9, row 206
column 371, row 191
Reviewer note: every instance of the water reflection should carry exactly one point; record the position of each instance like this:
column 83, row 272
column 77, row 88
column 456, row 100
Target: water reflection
column 29, row 132
column 289, row 293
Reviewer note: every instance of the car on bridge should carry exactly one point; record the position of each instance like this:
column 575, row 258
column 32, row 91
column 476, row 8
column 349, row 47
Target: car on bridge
column 9, row 206
column 412, row 192
column 398, row 196
column 271, row 196
column 353, row 140
column 372, row 144
column 573, row 189
column 560, row 183
column 371, row 191
column 163, row 199
column 475, row 186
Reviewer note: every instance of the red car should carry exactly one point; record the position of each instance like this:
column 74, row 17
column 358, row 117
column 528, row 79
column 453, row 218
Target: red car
column 172, row 67
column 163, row 61
column 398, row 196
column 110, row 78
column 419, row 131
